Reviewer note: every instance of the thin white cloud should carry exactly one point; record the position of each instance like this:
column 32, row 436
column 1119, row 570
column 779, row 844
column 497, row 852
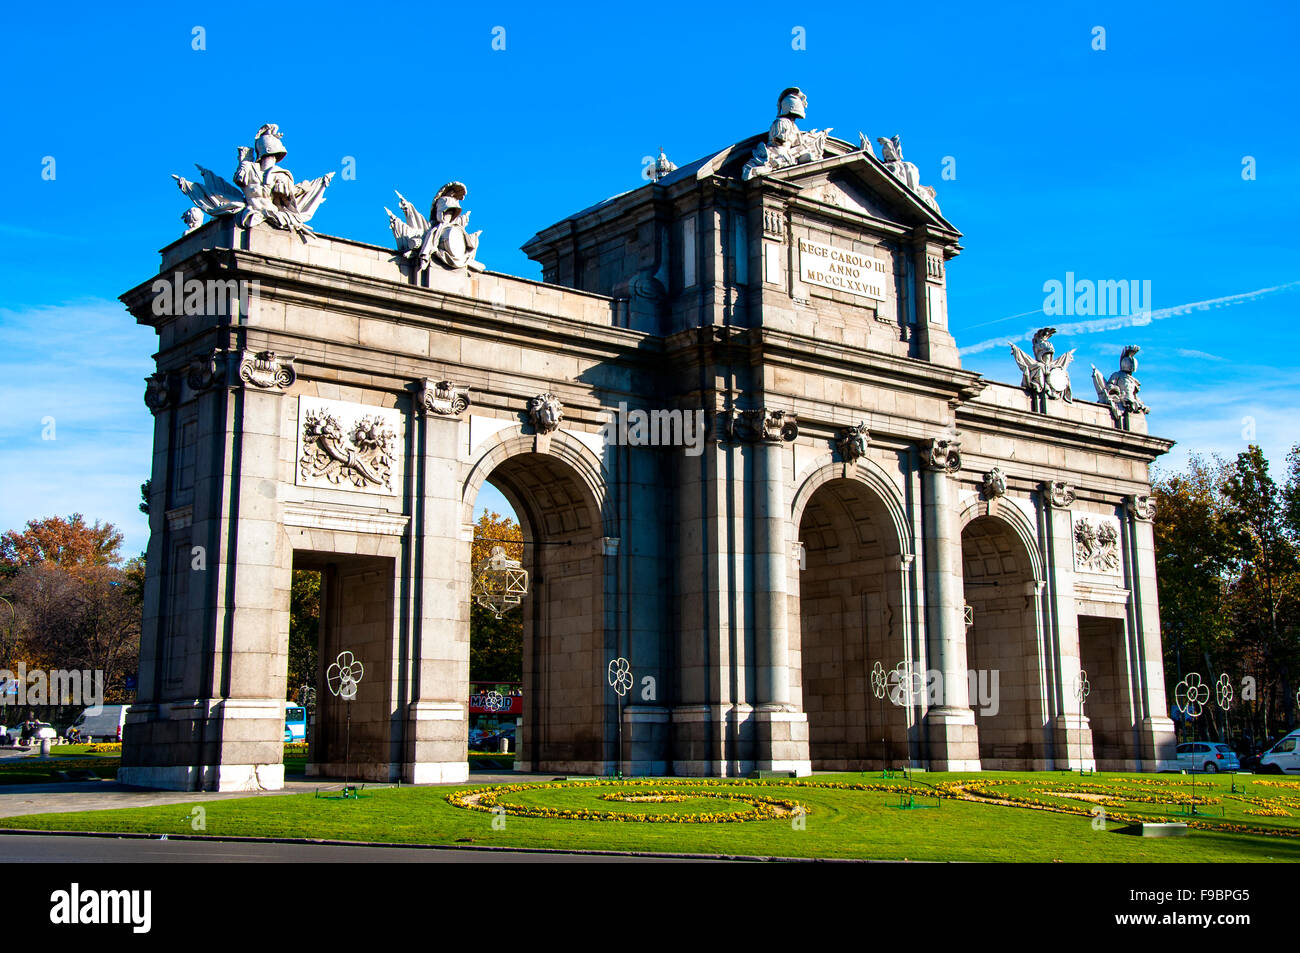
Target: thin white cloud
column 1117, row 322
column 75, row 372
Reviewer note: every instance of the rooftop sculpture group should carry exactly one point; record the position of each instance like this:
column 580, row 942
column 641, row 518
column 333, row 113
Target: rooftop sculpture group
column 443, row 237
column 1120, row 390
column 905, row 172
column 263, row 190
column 786, row 144
column 1045, row 374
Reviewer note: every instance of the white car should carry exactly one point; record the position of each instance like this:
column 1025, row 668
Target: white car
column 1283, row 757
column 43, row 730
column 1208, row 756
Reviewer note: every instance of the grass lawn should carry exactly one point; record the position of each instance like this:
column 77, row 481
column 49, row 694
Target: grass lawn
column 100, row 759
column 840, row 821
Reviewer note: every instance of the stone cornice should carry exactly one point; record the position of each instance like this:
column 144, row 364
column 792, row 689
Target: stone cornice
column 802, row 352
column 1090, row 437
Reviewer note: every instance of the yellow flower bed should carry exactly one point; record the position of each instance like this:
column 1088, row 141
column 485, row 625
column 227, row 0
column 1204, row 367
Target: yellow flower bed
column 761, row 808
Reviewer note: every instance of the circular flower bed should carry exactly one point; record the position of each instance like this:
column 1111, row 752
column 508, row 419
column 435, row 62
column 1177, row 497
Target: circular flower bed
column 759, row 808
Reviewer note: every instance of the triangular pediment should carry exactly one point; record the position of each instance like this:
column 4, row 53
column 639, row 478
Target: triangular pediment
column 859, row 182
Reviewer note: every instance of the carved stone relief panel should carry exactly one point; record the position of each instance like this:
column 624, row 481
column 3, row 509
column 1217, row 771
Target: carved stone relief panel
column 349, row 446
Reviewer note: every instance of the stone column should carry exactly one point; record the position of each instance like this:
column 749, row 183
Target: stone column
column 232, row 631
column 437, row 728
column 954, row 743
column 1158, row 739
column 782, row 733
column 1072, row 733
column 259, row 568
column 702, row 698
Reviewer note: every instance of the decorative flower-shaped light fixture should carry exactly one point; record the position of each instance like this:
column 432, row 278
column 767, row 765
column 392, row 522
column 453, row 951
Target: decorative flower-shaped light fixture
column 500, row 583
column 1223, row 691
column 343, row 675
column 878, row 680
column 1191, row 695
column 619, row 675
column 905, row 685
column 1082, row 687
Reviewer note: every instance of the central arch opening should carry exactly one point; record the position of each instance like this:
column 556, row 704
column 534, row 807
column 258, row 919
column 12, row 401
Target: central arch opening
column 849, row 620
column 563, row 716
column 1007, row 677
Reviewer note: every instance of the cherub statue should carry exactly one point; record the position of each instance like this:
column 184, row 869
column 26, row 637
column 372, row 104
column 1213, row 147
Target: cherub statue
column 1045, row 373
column 1120, row 390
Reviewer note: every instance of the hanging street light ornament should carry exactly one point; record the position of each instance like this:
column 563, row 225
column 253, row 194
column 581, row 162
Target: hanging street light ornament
column 342, row 678
column 1082, row 687
column 343, row 675
column 878, row 680
column 619, row 675
column 500, row 583
column 1191, row 695
column 905, row 685
column 1223, row 691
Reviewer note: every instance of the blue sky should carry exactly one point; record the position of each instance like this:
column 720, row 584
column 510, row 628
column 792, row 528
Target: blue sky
column 1124, row 163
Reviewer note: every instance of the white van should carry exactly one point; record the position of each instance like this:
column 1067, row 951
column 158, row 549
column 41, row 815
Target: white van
column 1283, row 757
column 102, row 725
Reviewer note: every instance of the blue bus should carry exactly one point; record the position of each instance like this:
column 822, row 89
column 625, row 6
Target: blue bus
column 295, row 723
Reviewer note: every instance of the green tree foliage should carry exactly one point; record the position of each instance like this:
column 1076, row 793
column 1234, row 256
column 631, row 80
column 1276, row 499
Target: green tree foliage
column 1196, row 553
column 1229, row 584
column 496, row 646
column 304, row 630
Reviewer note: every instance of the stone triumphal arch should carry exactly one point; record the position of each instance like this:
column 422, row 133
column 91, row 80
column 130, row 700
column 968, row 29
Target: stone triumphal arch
column 855, row 502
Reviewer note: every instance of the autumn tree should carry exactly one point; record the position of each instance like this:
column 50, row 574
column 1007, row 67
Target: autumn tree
column 496, row 645
column 66, row 543
column 75, row 605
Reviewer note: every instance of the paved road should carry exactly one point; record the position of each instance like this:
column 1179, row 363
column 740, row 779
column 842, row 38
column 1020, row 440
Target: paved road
column 54, row 849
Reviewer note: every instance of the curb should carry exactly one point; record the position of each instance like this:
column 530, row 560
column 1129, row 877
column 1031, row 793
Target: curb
column 743, row 858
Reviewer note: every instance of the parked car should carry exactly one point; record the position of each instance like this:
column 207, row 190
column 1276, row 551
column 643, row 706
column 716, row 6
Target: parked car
column 101, row 724
column 1283, row 757
column 1207, row 756
column 43, row 730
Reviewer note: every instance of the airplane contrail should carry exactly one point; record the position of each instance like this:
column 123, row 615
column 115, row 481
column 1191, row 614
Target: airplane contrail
column 1115, row 322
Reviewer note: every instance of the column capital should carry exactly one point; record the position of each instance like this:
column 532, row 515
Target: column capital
column 941, row 454
column 1057, row 493
column 761, row 425
column 159, row 392
column 1140, row 506
column 264, row 370
column 440, row 398
column 205, row 371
